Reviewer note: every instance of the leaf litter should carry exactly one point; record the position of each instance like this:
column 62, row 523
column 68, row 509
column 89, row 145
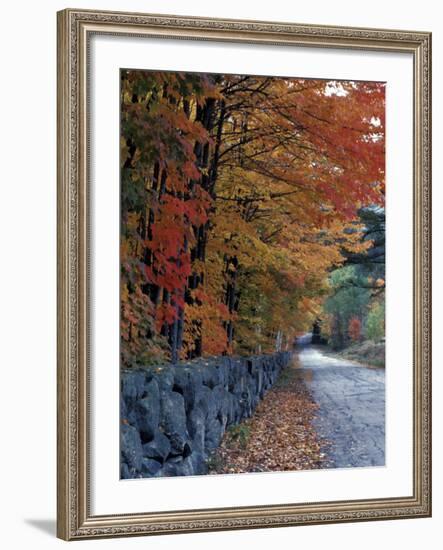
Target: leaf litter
column 280, row 436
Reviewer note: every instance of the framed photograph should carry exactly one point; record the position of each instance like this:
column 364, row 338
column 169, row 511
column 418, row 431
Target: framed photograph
column 243, row 274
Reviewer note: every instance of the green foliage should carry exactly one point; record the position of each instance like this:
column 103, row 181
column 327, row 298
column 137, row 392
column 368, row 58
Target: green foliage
column 375, row 323
column 354, row 309
column 237, row 436
column 215, row 463
column 348, row 300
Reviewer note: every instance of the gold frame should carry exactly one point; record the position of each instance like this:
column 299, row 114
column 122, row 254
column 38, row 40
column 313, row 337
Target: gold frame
column 73, row 512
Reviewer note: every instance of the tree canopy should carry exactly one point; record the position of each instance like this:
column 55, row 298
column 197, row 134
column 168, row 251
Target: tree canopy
column 239, row 194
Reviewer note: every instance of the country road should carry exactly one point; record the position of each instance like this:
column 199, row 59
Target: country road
column 351, row 399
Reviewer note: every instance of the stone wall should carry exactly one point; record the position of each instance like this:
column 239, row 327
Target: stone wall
column 174, row 416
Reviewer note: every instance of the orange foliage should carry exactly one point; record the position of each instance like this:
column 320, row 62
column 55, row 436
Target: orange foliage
column 354, row 329
column 239, row 194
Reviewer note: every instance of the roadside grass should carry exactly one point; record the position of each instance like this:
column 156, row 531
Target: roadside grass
column 367, row 352
column 237, row 436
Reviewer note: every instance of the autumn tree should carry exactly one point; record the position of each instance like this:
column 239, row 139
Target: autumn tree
column 354, row 329
column 239, row 194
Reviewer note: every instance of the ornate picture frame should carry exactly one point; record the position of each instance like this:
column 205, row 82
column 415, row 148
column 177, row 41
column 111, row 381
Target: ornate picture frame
column 76, row 519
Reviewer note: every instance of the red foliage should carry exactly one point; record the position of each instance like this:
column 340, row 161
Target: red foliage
column 191, row 141
column 354, row 329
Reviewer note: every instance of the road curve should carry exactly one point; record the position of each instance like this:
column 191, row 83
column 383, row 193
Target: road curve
column 351, row 399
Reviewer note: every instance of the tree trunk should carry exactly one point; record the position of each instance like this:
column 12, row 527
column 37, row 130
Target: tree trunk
column 202, row 152
column 231, row 300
